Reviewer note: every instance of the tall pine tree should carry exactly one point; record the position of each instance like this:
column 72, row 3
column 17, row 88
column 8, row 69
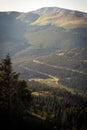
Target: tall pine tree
column 15, row 96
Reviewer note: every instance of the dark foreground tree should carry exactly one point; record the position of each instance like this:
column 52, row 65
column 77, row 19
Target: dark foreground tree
column 15, row 97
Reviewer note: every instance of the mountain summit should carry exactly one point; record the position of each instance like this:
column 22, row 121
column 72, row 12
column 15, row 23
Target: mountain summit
column 52, row 10
column 47, row 10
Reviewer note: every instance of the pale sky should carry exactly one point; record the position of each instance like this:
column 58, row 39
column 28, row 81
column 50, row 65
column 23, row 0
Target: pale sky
column 29, row 5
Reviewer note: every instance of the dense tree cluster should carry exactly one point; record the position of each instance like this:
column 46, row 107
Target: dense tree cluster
column 62, row 110
column 15, row 96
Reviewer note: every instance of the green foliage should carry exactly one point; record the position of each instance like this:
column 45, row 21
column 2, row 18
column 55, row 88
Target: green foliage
column 52, row 108
column 15, row 97
column 59, row 108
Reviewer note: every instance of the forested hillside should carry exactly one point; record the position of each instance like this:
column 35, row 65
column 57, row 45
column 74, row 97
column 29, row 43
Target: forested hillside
column 65, row 67
column 46, row 107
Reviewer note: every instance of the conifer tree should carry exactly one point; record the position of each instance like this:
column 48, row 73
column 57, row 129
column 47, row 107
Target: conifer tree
column 15, row 96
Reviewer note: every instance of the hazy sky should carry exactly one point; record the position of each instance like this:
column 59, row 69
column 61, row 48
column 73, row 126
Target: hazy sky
column 28, row 5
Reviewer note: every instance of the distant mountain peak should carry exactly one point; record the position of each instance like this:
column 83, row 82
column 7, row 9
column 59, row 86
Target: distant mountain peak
column 47, row 10
column 52, row 10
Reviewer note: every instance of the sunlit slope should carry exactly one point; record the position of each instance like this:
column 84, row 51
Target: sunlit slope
column 61, row 17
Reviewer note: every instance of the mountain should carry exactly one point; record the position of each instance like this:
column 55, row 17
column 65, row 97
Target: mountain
column 48, row 47
column 41, row 32
column 61, row 17
column 44, row 33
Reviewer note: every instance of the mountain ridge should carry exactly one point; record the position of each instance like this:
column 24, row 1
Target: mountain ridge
column 54, row 9
column 31, row 34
